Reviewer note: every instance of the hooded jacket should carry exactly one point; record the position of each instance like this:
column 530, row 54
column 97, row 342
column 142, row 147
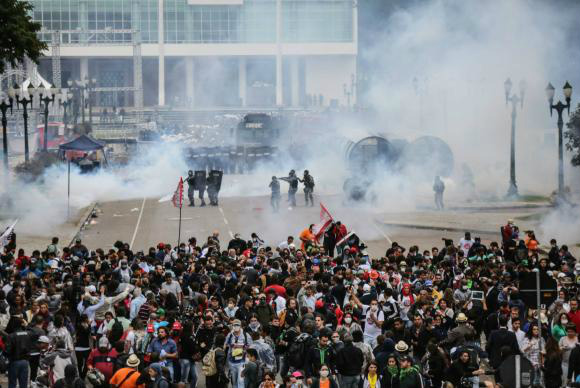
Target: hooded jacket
column 57, row 361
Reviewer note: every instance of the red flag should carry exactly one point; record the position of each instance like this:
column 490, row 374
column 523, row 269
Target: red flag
column 178, row 195
column 325, row 221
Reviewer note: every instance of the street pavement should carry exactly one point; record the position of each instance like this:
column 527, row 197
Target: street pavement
column 145, row 222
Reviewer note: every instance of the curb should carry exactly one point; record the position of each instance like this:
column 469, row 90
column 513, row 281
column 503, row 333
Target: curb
column 83, row 220
column 441, row 228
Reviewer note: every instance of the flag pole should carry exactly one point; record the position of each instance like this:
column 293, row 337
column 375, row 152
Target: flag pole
column 179, row 232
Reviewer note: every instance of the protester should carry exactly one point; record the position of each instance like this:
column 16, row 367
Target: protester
column 248, row 311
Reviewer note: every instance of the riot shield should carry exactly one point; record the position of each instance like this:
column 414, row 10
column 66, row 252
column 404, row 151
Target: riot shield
column 215, row 179
column 200, row 180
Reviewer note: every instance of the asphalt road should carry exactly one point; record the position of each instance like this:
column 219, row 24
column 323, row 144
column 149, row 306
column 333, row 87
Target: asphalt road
column 146, row 222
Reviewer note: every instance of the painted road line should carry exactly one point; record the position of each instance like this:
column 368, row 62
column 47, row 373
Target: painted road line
column 138, row 222
column 226, row 222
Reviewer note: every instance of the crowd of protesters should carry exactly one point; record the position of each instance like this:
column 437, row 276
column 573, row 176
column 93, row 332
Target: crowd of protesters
column 248, row 315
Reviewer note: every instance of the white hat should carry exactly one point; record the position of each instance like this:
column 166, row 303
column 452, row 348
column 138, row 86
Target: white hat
column 461, row 317
column 91, row 288
column 44, row 339
column 103, row 342
column 401, row 346
column 366, row 288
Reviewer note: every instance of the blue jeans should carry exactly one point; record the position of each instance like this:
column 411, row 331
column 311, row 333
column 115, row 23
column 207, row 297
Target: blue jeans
column 18, row 371
column 236, row 369
column 349, row 381
column 187, row 368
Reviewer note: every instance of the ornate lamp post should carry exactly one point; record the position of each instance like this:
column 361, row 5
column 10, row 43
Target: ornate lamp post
column 25, row 98
column 559, row 107
column 515, row 100
column 64, row 101
column 4, row 106
column 46, row 97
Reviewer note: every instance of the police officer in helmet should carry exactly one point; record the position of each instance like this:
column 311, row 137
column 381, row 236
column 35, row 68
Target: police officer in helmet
column 190, row 187
column 308, row 181
column 275, row 199
column 292, row 180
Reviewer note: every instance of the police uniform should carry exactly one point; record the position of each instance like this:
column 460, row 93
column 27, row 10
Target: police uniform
column 275, row 198
column 190, row 187
column 308, row 188
column 213, row 186
column 292, row 188
column 200, row 183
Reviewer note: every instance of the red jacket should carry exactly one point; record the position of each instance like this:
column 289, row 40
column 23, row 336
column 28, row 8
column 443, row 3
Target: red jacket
column 104, row 362
column 574, row 317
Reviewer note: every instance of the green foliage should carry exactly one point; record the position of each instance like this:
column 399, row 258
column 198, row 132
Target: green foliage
column 18, row 37
column 572, row 136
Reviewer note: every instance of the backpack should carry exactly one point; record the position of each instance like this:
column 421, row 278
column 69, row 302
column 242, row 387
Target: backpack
column 297, row 351
column 116, row 332
column 208, row 366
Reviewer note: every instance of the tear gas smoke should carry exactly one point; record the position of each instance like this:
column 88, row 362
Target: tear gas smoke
column 459, row 53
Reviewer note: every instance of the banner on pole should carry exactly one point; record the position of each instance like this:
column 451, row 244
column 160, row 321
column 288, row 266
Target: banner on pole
column 6, row 236
column 325, row 221
column 177, row 199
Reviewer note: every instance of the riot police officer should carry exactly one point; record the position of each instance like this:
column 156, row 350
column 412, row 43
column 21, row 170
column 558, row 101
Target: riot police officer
column 200, row 183
column 308, row 181
column 439, row 188
column 292, row 180
column 190, row 187
column 214, row 183
column 275, row 198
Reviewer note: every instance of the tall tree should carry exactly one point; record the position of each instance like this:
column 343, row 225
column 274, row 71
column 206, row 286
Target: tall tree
column 18, row 38
column 572, row 136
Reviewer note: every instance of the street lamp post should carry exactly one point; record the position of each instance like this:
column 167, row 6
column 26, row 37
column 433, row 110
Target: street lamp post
column 559, row 107
column 349, row 90
column 4, row 109
column 515, row 100
column 25, row 99
column 90, row 85
column 46, row 97
column 65, row 101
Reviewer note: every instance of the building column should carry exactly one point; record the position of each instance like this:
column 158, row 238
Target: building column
column 242, row 81
column 279, row 75
column 295, row 81
column 189, row 81
column 84, row 73
column 161, row 45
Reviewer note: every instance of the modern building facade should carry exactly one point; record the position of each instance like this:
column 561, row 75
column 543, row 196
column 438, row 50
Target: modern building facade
column 207, row 53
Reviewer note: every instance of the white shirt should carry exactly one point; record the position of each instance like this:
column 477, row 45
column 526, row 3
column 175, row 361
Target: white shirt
column 283, row 245
column 520, row 335
column 280, row 304
column 465, row 245
column 371, row 329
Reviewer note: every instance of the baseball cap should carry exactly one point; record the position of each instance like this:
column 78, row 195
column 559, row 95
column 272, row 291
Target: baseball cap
column 374, row 274
column 44, row 339
column 176, row 326
column 160, row 312
column 103, row 342
column 150, row 328
column 366, row 288
column 297, row 374
column 91, row 288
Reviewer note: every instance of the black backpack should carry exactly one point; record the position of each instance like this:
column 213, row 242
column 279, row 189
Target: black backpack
column 116, row 332
column 297, row 350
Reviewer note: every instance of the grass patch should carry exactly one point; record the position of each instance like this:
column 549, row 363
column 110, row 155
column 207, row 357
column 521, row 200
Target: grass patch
column 531, row 217
column 533, row 198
